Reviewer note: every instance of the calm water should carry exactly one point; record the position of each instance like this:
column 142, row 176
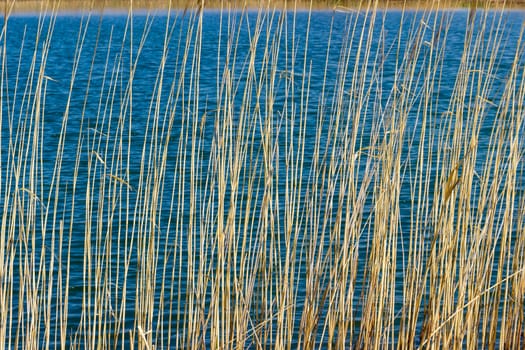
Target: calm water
column 99, row 100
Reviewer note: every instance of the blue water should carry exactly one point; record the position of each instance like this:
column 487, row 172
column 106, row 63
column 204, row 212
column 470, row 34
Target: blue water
column 90, row 84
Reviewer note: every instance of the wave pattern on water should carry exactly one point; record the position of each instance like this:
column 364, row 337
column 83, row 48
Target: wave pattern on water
column 259, row 179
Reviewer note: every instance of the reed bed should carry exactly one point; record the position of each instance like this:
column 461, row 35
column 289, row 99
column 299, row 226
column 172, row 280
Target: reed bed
column 376, row 204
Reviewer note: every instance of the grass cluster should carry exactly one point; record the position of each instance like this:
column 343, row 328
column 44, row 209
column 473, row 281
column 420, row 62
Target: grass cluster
column 76, row 5
column 374, row 202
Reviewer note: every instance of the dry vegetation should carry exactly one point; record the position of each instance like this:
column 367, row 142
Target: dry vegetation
column 74, row 5
column 254, row 225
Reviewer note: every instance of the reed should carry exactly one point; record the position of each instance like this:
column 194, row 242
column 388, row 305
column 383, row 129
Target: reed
column 371, row 202
column 35, row 6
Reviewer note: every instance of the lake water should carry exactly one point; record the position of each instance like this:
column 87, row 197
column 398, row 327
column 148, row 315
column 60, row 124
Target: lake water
column 150, row 97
